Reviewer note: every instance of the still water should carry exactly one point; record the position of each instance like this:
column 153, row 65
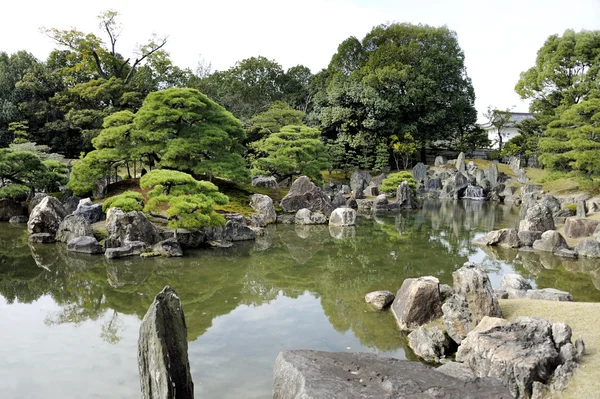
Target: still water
column 69, row 323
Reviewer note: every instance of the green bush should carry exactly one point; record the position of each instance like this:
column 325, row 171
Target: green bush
column 128, row 201
column 494, row 155
column 15, row 192
column 571, row 207
column 391, row 183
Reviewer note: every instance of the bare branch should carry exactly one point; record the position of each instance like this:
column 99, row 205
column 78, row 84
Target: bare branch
column 143, row 57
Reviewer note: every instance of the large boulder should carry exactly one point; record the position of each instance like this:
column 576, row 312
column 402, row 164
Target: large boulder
column 514, row 285
column 527, row 238
column 359, row 181
column 576, row 227
column 84, row 244
column 531, row 189
column 417, row 302
column 455, row 186
column 70, row 203
column 419, row 173
column 124, row 227
column 10, row 209
column 235, row 229
column 333, row 375
column 431, row 344
column 549, row 294
column 73, row 226
column 168, row 248
column 473, row 283
column 507, row 238
column 588, row 248
column 433, row 184
column 265, row 181
column 263, row 205
column 550, row 241
column 380, row 203
column 538, row 218
column 163, row 362
column 379, row 299
column 343, row 217
column 404, row 197
column 371, row 191
column 305, row 216
column 131, row 248
column 518, row 353
column 305, row 194
column 460, row 163
column 581, row 209
column 457, row 318
column 492, row 174
column 46, row 216
column 439, row 161
column 89, row 211
column 552, row 203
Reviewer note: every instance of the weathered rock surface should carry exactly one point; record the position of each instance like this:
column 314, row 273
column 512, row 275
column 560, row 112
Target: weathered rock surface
column 380, row 203
column 359, row 181
column 417, row 302
column 472, row 283
column 70, row 203
column 10, row 209
column 575, row 227
column 460, row 163
column 379, row 299
column 514, row 285
column 169, row 248
column 404, row 197
column 131, row 248
column 46, row 216
column 84, row 244
column 552, row 203
column 333, row 375
column 73, row 226
column 581, row 209
column 518, row 353
column 127, row 227
column 305, row 216
column 163, row 362
column 305, row 194
column 430, row 344
column 433, row 184
column 588, row 248
column 263, row 204
column 550, row 241
column 492, row 174
column 42, row 238
column 527, row 238
column 457, row 318
column 33, row 202
column 338, row 200
column 538, row 218
column 439, row 161
column 445, row 292
column 343, row 217
column 419, row 173
column 187, row 238
column 549, row 294
column 454, row 186
column 265, row 181
column 507, row 238
column 89, row 211
column 371, row 191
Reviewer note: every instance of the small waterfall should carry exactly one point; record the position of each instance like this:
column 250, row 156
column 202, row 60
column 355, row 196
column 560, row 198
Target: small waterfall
column 474, row 192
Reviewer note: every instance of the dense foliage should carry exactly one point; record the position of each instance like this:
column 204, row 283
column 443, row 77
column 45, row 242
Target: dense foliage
column 27, row 169
column 15, row 192
column 188, row 202
column 393, row 180
column 127, row 201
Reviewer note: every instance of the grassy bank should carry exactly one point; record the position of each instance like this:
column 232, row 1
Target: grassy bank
column 584, row 319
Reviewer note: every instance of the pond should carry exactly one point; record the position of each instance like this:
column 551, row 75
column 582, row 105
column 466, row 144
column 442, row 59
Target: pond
column 69, row 323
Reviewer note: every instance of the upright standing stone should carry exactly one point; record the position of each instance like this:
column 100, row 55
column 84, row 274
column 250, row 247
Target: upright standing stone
column 460, row 162
column 473, row 283
column 163, row 350
column 419, row 173
column 439, row 161
column 492, row 174
column 581, row 211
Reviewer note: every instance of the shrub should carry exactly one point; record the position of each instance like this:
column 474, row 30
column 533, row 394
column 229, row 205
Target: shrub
column 128, row 201
column 571, row 207
column 15, row 192
column 391, row 183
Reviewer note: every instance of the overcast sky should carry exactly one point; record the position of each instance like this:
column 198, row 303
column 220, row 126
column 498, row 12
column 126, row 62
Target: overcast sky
column 499, row 38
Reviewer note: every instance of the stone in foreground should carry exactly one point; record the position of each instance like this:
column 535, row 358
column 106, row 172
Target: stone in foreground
column 379, row 299
column 417, row 302
column 163, row 350
column 343, row 217
column 46, row 216
column 473, row 283
column 318, row 375
column 430, row 344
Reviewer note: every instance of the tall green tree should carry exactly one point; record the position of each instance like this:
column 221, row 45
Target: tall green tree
column 293, row 151
column 27, row 169
column 565, row 72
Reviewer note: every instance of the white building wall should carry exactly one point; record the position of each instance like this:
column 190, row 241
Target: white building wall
column 507, row 134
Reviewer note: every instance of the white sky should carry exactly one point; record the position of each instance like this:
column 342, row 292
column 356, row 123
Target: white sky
column 499, row 38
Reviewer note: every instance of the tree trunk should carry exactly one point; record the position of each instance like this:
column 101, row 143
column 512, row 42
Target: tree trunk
column 423, row 154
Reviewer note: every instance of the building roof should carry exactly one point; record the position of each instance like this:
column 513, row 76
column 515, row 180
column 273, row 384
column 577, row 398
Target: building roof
column 515, row 119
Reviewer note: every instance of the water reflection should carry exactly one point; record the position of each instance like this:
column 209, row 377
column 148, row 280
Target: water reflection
column 319, row 272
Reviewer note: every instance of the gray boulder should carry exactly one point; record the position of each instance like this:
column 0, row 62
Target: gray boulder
column 446, row 292
column 338, row 200
column 41, row 238
column 46, row 216
column 507, row 238
column 417, row 302
column 492, row 174
column 550, row 241
column 371, row 191
column 187, row 238
column 549, row 294
column 522, row 176
column 531, row 189
column 305, row 216
column 131, row 248
column 100, row 188
column 430, row 344
column 333, row 375
column 518, row 353
column 576, row 227
column 84, row 244
column 127, row 227
column 33, row 202
column 380, row 204
column 538, row 218
column 163, row 363
column 265, row 181
column 514, row 163
column 552, row 203
column 351, row 203
column 457, row 318
column 527, row 238
column 588, row 248
column 419, row 173
column 473, row 283
column 454, row 186
column 581, row 209
column 235, row 229
column 433, row 184
column 343, row 217
column 460, row 163
column 439, row 161
column 263, row 205
column 73, row 226
column 346, row 189
column 10, row 209
column 514, row 282
column 404, row 198
column 379, row 299
column 305, row 194
column 89, row 211
column 359, row 181
column 70, row 203
column 169, row 248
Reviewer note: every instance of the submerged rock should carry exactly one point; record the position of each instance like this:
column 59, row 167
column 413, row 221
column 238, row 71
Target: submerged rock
column 507, row 238
column 84, row 244
column 169, row 248
column 42, row 238
column 131, row 248
column 379, row 299
column 333, row 375
column 417, row 302
column 163, row 350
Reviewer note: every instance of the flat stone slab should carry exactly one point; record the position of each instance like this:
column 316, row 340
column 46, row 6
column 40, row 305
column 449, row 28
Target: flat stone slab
column 331, row 375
